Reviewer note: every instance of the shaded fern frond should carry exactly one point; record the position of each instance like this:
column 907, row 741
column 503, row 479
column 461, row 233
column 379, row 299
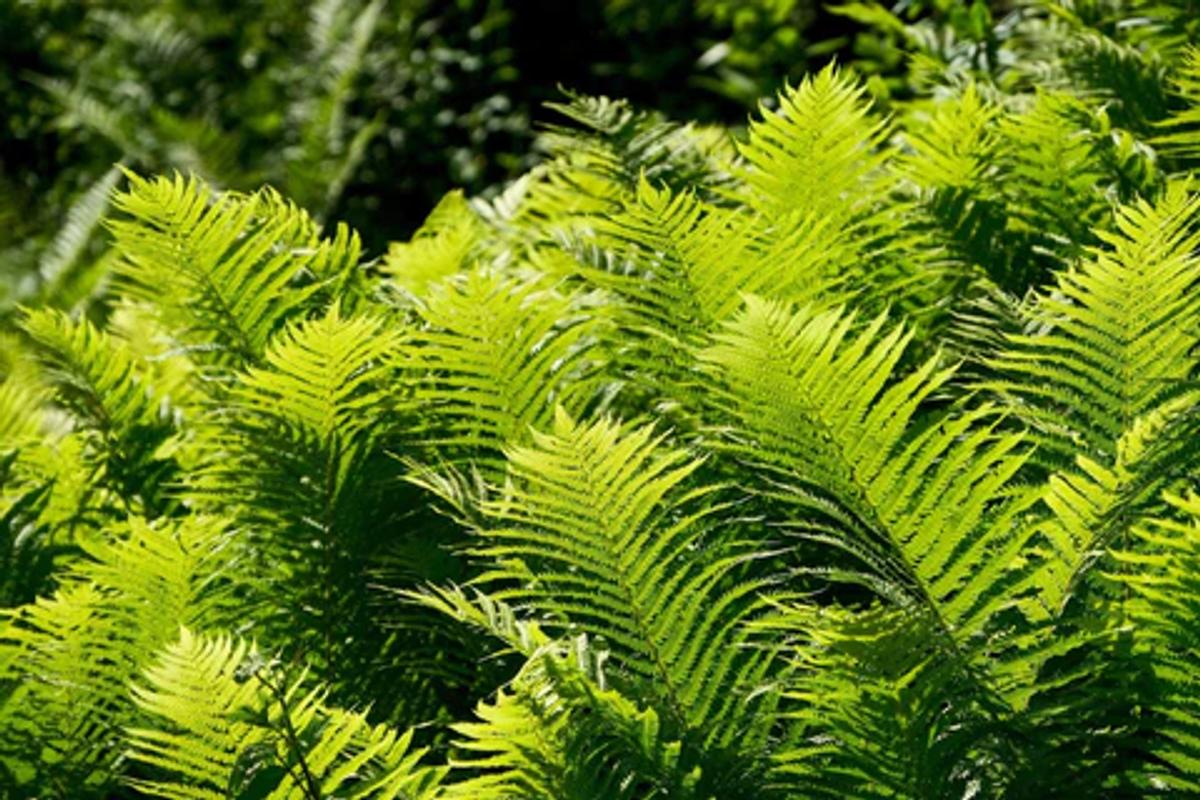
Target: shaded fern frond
column 101, row 383
column 1161, row 569
column 294, row 456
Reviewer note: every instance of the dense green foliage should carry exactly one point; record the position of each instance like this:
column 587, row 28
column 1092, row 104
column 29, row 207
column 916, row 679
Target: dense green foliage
column 851, row 456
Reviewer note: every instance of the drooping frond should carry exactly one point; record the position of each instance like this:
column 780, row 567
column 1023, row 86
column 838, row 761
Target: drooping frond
column 221, row 720
column 929, row 506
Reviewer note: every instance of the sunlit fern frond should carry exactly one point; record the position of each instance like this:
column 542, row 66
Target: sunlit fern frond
column 601, row 529
column 1115, row 337
column 67, row 659
column 220, row 719
column 927, row 502
column 224, row 271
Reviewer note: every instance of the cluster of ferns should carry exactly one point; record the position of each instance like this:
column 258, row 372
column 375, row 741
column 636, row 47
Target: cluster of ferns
column 851, row 455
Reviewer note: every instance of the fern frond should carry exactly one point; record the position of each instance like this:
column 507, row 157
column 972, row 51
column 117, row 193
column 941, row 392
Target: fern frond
column 1180, row 136
column 558, row 732
column 101, row 383
column 1117, row 335
column 601, row 530
column 294, row 456
column 929, row 505
column 822, row 162
column 57, row 264
column 439, row 249
column 494, row 354
column 224, row 270
column 818, row 153
column 68, row 658
column 22, row 417
column 1161, row 569
column 620, row 145
column 227, row 722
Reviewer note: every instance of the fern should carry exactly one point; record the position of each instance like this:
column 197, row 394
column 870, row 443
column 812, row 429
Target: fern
column 601, row 533
column 294, row 456
column 227, row 723
column 1160, row 569
column 493, row 355
column 843, row 458
column 224, row 271
column 67, row 659
column 99, row 381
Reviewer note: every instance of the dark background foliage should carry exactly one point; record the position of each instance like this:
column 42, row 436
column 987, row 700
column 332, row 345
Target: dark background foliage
column 444, row 94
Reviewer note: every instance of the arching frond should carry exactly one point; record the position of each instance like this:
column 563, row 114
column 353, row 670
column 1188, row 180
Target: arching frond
column 928, row 505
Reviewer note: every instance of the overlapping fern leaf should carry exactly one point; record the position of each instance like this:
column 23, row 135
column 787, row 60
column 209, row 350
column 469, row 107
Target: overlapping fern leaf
column 226, row 272
column 101, row 383
column 1160, row 568
column 602, row 530
column 1106, row 383
column 492, row 356
column 222, row 721
column 926, row 507
column 67, row 659
column 295, row 455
